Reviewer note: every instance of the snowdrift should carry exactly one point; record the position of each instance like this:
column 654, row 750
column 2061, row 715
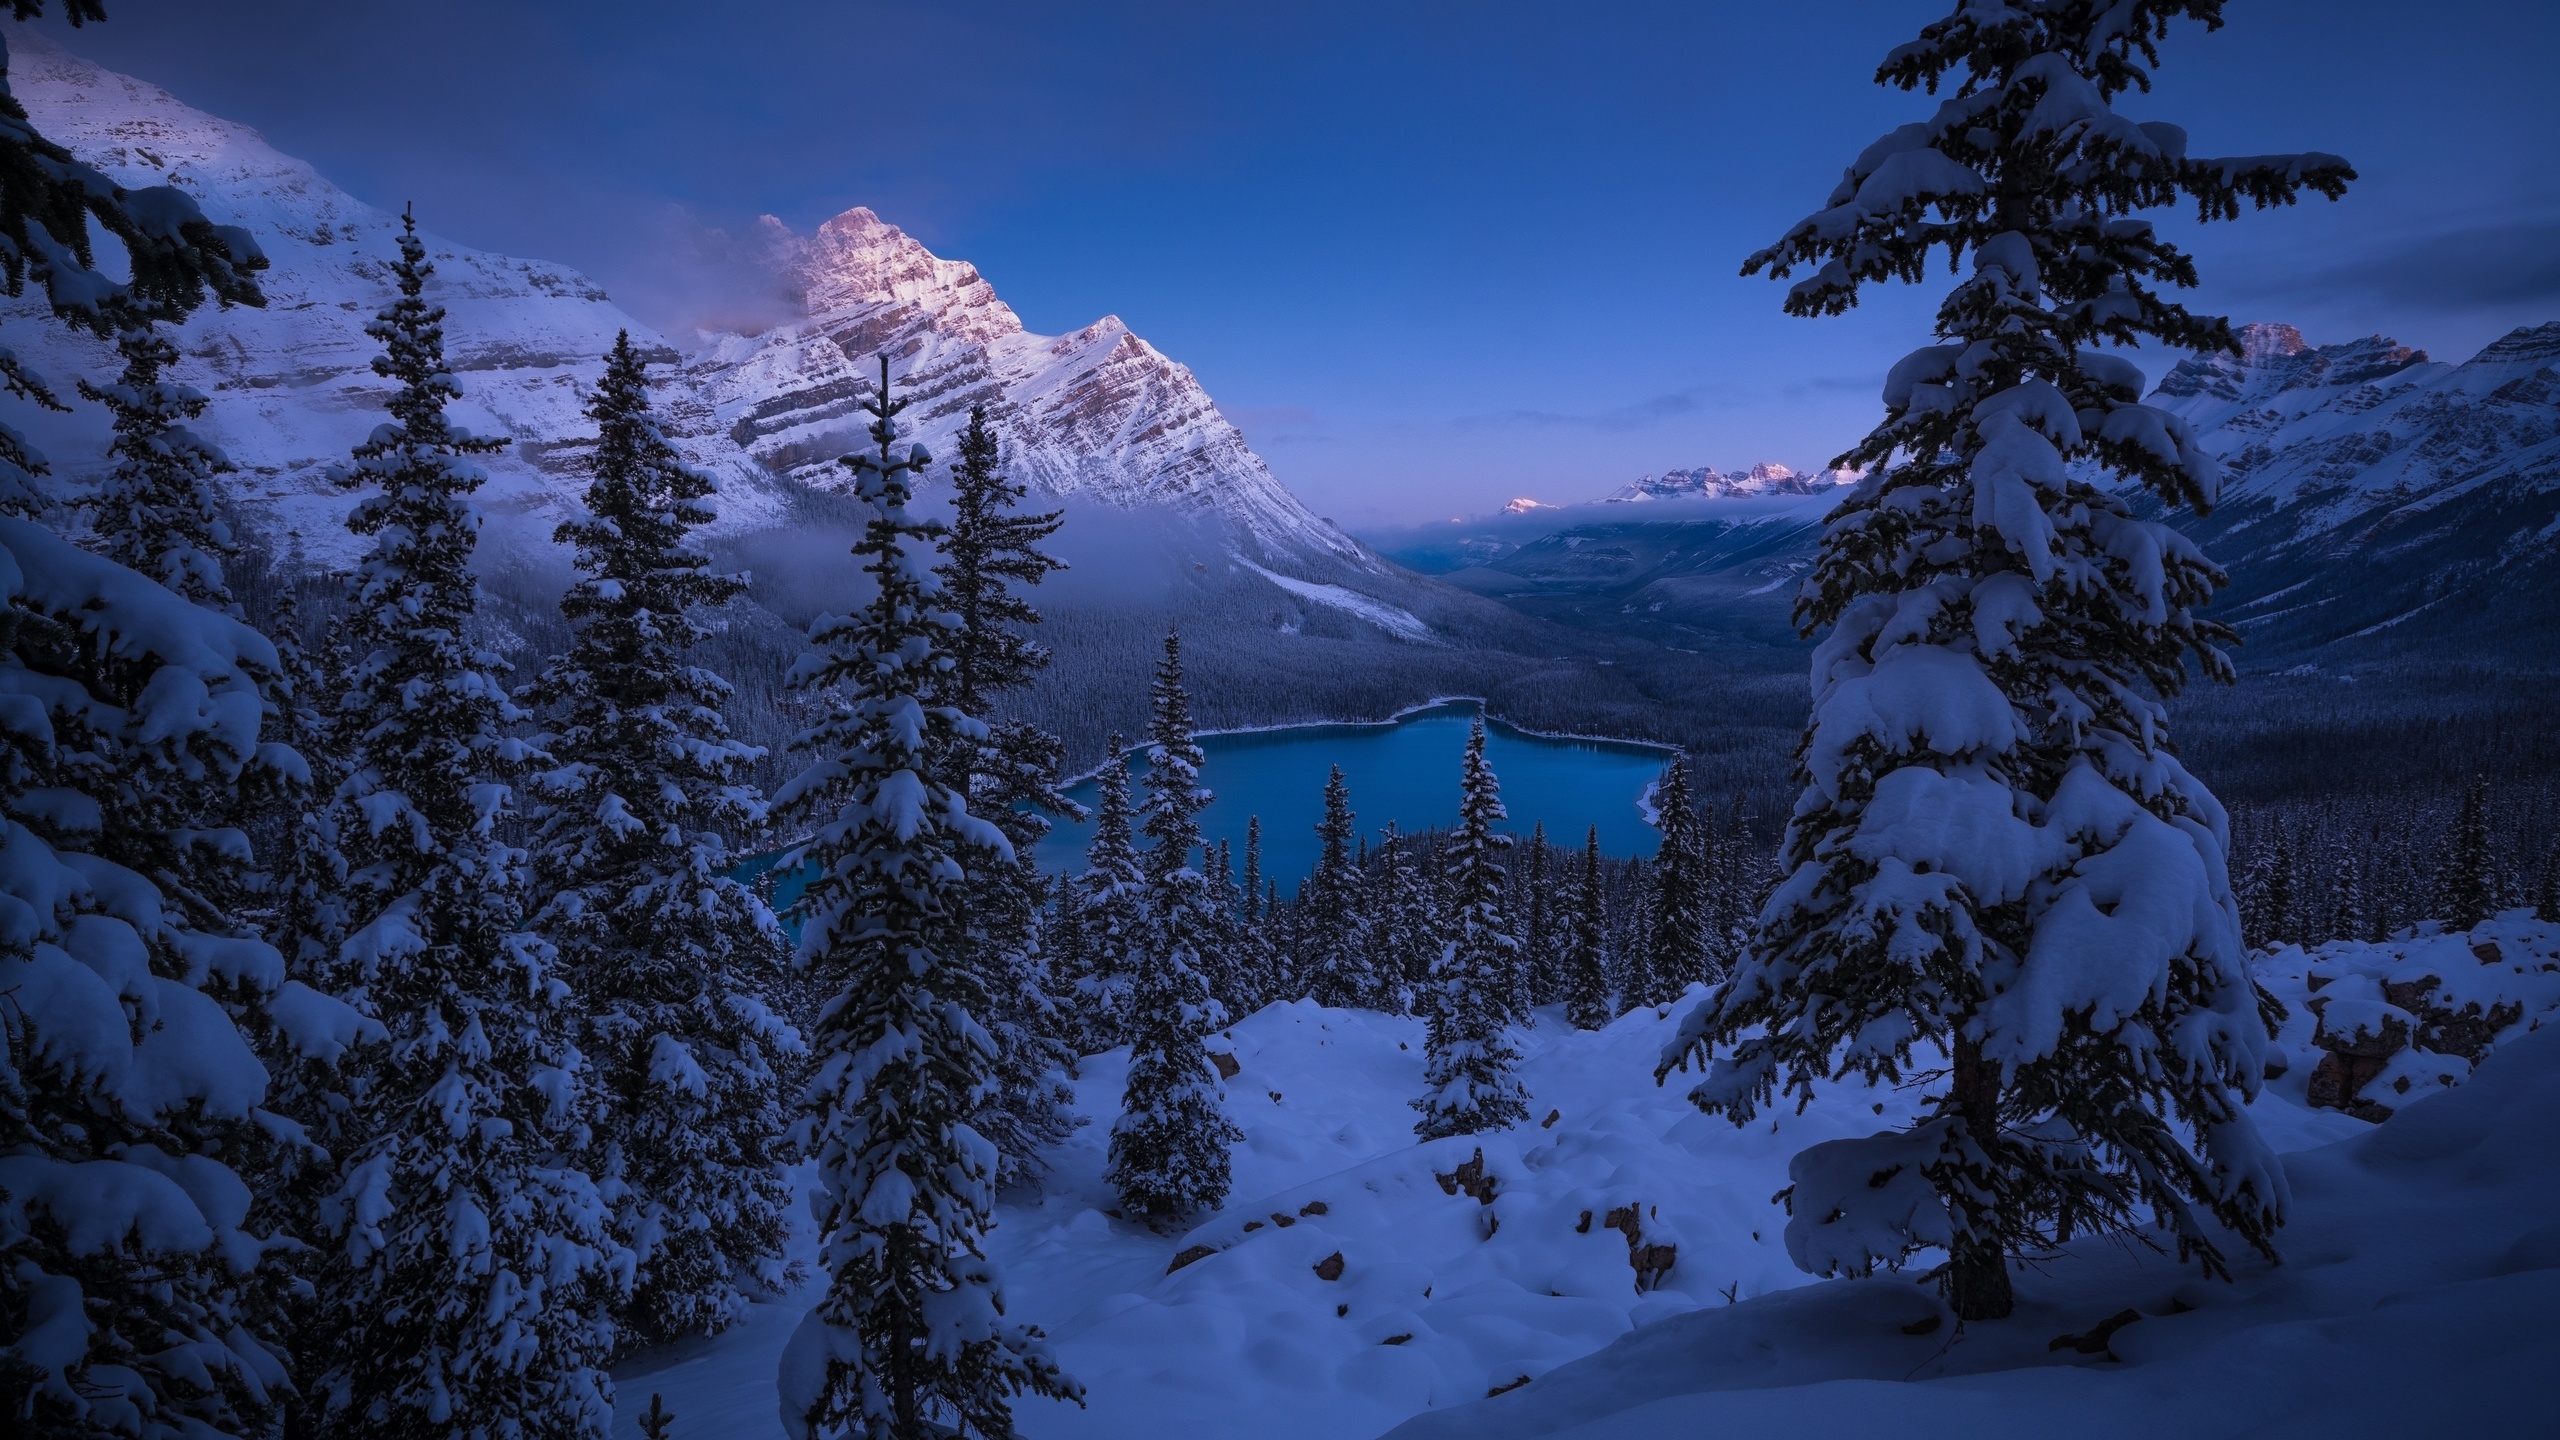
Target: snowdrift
column 1621, row 1253
column 2420, row 1294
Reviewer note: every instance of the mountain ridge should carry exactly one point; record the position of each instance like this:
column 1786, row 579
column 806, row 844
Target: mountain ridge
column 1098, row 414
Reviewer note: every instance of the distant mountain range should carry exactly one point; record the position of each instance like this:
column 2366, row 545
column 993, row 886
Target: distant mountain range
column 2377, row 503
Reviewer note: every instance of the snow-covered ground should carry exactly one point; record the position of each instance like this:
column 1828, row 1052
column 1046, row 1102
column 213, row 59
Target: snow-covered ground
column 2416, row 1281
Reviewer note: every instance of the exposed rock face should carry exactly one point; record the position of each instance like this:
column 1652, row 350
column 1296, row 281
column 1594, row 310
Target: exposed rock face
column 1099, row 413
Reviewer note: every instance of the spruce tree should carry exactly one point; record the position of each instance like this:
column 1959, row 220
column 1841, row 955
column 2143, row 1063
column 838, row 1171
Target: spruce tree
column 1107, row 905
column 1256, row 962
column 1468, row 1056
column 911, row 1338
column 1586, row 955
column 2467, row 878
column 1169, row 1148
column 1331, row 957
column 139, row 1278
column 1403, row 934
column 159, row 510
column 1011, row 778
column 1996, row 851
column 1540, row 982
column 1679, row 935
column 670, row 958
column 470, row 1283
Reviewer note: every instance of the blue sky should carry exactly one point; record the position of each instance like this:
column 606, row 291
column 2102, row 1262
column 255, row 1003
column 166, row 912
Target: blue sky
column 1430, row 256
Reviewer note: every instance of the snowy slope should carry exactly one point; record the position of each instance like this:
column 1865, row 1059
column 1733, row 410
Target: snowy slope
column 1246, row 1326
column 1098, row 414
column 292, row 384
column 2421, row 1296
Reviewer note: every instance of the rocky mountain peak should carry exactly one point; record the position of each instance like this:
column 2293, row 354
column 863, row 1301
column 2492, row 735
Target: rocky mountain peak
column 2263, row 342
column 2524, row 345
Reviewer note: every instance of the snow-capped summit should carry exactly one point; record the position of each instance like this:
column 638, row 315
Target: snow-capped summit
column 2338, row 425
column 1524, row 505
column 1766, row 478
column 1098, row 413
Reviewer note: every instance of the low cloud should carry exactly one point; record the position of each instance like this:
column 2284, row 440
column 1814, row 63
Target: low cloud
column 2502, row 264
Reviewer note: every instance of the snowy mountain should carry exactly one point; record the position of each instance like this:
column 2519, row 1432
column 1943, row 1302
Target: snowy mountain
column 2379, row 500
column 1766, row 478
column 1098, row 414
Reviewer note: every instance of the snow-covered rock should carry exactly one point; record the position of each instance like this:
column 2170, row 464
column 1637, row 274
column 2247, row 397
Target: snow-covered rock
column 1099, row 414
column 2372, row 1026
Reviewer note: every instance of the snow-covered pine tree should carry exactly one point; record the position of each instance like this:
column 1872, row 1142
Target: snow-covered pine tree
column 910, row 1339
column 1996, row 851
column 1402, row 934
column 1540, row 983
column 1169, row 1147
column 1228, row 981
column 1469, row 1060
column 2467, row 877
column 1680, row 925
column 1586, row 943
column 469, row 1285
column 158, row 511
column 1011, row 778
column 1255, row 963
column 1107, row 904
column 1332, row 959
column 137, row 1293
column 670, row 959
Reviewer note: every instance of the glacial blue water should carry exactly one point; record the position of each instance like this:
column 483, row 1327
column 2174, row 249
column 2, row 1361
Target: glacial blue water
column 1404, row 770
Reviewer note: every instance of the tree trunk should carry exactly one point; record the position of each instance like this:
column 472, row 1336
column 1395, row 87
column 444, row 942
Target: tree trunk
column 1978, row 1271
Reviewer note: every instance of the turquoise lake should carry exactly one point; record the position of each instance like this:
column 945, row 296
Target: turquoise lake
column 1404, row 770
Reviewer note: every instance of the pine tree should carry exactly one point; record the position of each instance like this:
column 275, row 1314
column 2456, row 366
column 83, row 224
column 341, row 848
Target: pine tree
column 137, row 1298
column 2467, row 880
column 1469, row 1059
column 1169, row 1148
column 670, row 958
column 910, row 1339
column 1011, row 778
column 1402, row 935
column 1989, row 799
column 1678, row 938
column 1332, row 959
column 1256, row 963
column 470, row 1286
column 1586, row 956
column 159, row 510
column 1541, row 982
column 1108, row 903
